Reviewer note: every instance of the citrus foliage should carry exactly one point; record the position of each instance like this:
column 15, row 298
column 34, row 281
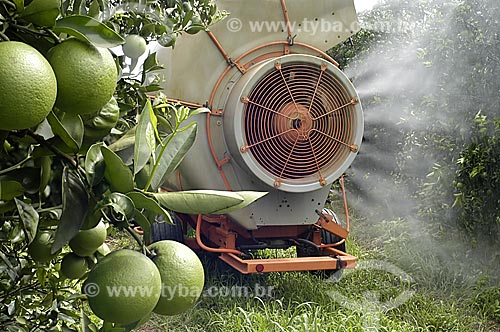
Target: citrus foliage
column 95, row 160
column 478, row 180
column 435, row 72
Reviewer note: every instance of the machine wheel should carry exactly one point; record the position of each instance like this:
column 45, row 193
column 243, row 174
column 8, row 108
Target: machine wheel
column 166, row 231
column 328, row 238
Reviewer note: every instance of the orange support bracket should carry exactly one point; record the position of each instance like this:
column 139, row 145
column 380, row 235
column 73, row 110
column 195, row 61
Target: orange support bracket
column 333, row 227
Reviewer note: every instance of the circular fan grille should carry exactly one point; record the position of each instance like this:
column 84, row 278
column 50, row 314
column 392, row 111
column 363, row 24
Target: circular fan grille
column 299, row 122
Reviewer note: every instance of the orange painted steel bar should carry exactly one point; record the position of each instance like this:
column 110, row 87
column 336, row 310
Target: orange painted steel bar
column 323, row 68
column 219, row 163
column 184, row 103
column 352, row 102
column 287, row 20
column 346, row 208
column 278, row 67
column 322, row 180
column 200, row 243
column 284, row 43
column 327, row 262
column 219, row 46
column 332, row 245
column 248, row 101
column 224, row 53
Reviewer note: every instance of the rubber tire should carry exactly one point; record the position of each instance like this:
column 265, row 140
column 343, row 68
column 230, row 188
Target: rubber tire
column 329, row 238
column 166, row 231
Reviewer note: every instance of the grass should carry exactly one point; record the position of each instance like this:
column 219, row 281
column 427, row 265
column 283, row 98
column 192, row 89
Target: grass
column 403, row 283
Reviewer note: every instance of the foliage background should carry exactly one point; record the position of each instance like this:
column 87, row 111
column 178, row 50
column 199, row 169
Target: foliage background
column 427, row 75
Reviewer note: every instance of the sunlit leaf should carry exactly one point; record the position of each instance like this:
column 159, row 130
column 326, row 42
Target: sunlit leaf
column 68, row 127
column 18, row 234
column 120, row 203
column 143, row 222
column 88, row 29
column 145, row 139
column 125, row 142
column 171, row 154
column 199, row 111
column 11, row 271
column 198, row 201
column 167, row 39
column 151, row 63
column 248, row 198
column 141, row 201
column 42, row 12
column 94, row 9
column 41, row 275
column 187, row 18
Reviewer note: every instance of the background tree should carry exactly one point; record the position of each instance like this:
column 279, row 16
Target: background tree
column 426, row 73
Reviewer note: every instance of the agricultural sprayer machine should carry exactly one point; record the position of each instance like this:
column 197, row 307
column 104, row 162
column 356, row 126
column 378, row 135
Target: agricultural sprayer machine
column 283, row 119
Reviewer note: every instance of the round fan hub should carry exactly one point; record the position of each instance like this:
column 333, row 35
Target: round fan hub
column 295, row 122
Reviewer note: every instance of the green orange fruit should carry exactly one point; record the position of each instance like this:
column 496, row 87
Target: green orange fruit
column 134, row 46
column 86, row 76
column 73, row 266
column 28, row 86
column 182, row 276
column 40, row 248
column 87, row 241
column 124, row 287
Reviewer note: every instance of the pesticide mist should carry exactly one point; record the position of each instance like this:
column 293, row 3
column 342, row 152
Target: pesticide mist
column 429, row 84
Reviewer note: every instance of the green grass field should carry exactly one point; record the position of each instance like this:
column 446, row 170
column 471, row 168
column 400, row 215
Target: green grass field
column 402, row 284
